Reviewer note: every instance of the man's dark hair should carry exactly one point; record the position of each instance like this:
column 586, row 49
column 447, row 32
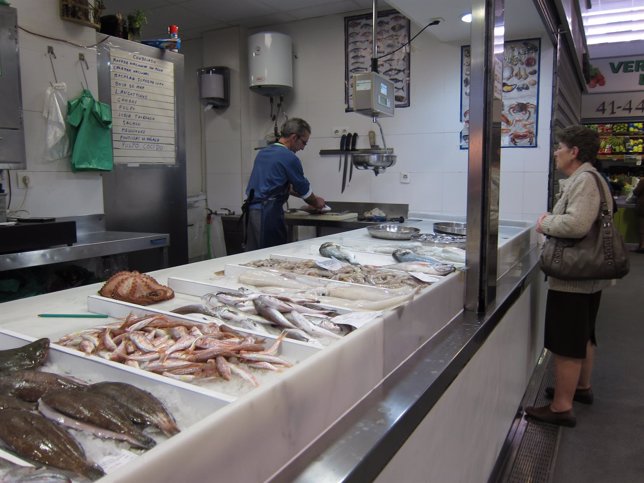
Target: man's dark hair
column 586, row 140
column 295, row 125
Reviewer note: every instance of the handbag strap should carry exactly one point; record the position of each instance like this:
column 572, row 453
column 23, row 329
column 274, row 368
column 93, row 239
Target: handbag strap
column 603, row 205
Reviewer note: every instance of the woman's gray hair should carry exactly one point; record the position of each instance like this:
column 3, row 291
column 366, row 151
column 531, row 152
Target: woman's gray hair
column 295, row 125
column 584, row 138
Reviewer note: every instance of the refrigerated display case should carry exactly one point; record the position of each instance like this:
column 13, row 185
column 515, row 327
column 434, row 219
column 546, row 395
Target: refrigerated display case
column 254, row 434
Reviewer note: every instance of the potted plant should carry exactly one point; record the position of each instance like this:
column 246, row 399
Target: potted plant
column 134, row 23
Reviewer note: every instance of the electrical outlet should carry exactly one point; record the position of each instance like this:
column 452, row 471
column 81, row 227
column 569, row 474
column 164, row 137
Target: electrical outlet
column 339, row 131
column 23, row 180
column 405, row 178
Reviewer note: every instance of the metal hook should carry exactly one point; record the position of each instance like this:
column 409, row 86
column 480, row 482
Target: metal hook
column 50, row 53
column 81, row 58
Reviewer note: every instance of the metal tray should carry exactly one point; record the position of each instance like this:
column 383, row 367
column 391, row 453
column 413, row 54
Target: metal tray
column 451, row 228
column 392, row 231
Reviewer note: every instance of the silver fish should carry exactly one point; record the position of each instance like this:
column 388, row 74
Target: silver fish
column 309, row 327
column 333, row 250
column 34, row 437
column 404, row 255
column 142, row 406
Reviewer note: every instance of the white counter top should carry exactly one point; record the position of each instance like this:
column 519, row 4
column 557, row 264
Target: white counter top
column 252, row 437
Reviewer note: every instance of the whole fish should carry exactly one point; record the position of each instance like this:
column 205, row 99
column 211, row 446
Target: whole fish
column 403, row 255
column 28, row 356
column 194, row 309
column 301, row 322
column 143, row 407
column 92, row 412
column 12, row 473
column 31, row 385
column 11, row 402
column 35, row 438
column 333, row 250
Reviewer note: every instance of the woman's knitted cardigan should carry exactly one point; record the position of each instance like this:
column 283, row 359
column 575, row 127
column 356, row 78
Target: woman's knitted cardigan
column 572, row 217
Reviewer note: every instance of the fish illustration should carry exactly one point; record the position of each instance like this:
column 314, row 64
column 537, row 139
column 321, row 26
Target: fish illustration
column 392, row 71
column 397, row 27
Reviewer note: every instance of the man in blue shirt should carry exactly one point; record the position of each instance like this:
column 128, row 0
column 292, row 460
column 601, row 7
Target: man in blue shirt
column 277, row 174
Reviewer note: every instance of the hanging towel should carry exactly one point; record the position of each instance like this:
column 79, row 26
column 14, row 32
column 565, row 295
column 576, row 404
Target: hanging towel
column 90, row 124
column 56, row 139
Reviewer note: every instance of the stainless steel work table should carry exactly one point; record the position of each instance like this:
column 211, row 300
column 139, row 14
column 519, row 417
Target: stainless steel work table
column 92, row 241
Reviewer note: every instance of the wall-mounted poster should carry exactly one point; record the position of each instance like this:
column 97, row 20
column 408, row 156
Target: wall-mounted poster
column 392, row 32
column 521, row 60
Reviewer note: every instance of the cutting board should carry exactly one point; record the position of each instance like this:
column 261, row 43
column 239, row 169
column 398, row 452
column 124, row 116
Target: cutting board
column 330, row 216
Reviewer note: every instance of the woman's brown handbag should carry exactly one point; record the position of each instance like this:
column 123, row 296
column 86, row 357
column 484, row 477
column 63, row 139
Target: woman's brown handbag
column 600, row 255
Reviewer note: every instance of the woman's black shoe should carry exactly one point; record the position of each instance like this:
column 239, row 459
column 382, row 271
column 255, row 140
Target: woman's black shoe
column 546, row 415
column 584, row 396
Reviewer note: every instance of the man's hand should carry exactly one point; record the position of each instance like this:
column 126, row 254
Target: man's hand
column 316, row 202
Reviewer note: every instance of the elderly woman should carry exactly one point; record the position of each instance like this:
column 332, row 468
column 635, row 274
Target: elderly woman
column 572, row 305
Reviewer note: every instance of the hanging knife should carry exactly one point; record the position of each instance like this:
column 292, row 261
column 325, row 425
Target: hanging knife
column 347, row 145
column 354, row 140
column 343, row 140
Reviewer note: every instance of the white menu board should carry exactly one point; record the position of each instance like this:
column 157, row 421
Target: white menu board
column 143, row 117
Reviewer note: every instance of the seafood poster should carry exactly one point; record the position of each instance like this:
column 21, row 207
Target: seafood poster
column 143, row 127
column 392, row 32
column 521, row 60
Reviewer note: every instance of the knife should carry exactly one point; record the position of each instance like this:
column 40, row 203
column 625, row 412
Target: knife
column 354, row 140
column 347, row 145
column 343, row 139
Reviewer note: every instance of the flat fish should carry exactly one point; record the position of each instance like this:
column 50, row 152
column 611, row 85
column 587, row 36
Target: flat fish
column 403, row 255
column 333, row 250
column 143, row 407
column 29, row 474
column 31, row 385
column 93, row 412
column 33, row 437
column 11, row 402
column 28, row 356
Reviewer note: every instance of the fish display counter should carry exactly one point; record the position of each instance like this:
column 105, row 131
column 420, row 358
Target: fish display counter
column 309, row 334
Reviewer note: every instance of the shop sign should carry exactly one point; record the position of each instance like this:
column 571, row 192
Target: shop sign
column 618, row 74
column 613, row 105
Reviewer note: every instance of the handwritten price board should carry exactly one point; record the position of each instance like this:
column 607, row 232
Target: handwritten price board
column 613, row 105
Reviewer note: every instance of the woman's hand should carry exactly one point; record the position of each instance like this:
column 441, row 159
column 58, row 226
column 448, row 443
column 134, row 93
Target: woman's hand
column 539, row 229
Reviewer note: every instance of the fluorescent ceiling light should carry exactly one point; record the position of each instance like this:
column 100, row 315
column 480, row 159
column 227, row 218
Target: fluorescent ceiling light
column 467, row 18
column 613, row 25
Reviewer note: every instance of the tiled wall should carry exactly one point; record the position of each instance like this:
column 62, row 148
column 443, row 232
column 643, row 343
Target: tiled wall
column 424, row 135
column 55, row 190
column 220, row 144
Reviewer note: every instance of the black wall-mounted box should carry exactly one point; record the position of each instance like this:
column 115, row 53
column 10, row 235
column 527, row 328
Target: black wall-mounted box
column 27, row 236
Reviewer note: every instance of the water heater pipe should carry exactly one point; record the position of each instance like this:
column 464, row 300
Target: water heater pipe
column 374, row 49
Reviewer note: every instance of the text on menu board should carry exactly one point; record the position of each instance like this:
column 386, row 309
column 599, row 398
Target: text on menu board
column 143, row 117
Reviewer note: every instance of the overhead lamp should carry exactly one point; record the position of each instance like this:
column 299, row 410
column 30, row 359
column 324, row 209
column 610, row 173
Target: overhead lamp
column 614, row 25
column 467, row 18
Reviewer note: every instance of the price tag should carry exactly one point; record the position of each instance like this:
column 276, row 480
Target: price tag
column 426, row 277
column 612, row 105
column 330, row 264
column 356, row 319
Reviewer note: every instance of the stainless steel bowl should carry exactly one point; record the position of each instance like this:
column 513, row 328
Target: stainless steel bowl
column 373, row 160
column 451, row 228
column 392, row 231
column 440, row 240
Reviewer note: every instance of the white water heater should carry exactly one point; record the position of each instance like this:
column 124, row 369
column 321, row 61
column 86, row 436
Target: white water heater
column 270, row 63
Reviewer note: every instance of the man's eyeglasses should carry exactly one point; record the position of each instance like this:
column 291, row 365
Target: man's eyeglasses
column 302, row 141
